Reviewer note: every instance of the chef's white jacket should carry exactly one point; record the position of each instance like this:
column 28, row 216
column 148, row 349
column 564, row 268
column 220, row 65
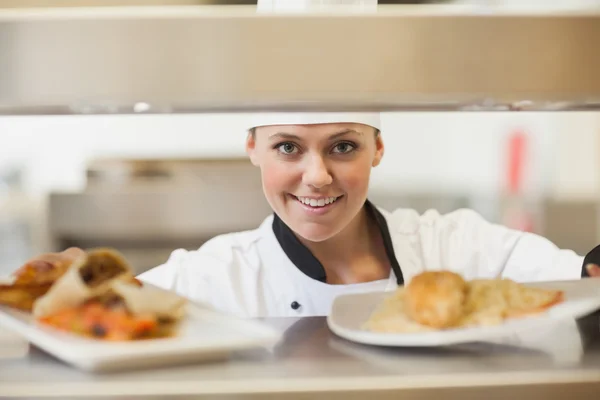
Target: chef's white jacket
column 267, row 272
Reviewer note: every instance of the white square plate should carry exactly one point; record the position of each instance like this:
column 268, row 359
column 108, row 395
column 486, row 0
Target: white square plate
column 350, row 312
column 203, row 335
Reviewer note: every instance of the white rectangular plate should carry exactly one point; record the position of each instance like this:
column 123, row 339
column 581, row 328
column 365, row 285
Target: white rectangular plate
column 203, row 335
column 350, row 312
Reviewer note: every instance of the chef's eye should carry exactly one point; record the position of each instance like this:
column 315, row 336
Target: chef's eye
column 344, row 148
column 287, row 148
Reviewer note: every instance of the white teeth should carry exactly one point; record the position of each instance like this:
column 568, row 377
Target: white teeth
column 317, row 203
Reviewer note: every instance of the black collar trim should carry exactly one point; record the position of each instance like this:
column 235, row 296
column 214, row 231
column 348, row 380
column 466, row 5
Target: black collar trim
column 306, row 262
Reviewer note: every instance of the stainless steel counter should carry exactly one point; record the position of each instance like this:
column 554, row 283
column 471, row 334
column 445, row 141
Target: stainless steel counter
column 558, row 362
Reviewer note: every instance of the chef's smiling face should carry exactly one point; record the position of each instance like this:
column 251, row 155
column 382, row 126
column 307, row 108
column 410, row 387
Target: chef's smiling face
column 316, row 177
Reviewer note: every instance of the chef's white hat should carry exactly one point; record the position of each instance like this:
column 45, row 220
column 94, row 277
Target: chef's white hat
column 301, row 118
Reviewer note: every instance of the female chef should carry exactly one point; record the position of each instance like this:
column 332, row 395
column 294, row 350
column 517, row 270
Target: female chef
column 325, row 238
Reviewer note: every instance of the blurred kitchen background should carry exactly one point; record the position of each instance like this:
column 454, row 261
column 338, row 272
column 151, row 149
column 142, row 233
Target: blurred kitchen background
column 148, row 184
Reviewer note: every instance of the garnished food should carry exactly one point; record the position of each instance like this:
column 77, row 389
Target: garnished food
column 47, row 268
column 32, row 280
column 125, row 312
column 439, row 300
column 97, row 320
column 22, row 296
column 92, row 294
column 89, row 276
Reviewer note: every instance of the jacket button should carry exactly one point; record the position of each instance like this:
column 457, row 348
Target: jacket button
column 295, row 305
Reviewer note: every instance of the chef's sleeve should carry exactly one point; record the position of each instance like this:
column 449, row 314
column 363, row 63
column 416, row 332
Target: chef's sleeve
column 168, row 275
column 471, row 245
column 188, row 273
column 214, row 275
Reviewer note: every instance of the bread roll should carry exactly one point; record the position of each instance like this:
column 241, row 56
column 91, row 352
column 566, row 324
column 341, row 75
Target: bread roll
column 436, row 298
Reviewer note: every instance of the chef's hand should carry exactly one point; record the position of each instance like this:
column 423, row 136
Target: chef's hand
column 593, row 270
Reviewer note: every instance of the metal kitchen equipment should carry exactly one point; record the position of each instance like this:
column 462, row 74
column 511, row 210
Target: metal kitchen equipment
column 231, row 58
column 148, row 208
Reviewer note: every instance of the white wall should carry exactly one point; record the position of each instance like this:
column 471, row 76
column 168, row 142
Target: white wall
column 577, row 167
column 440, row 152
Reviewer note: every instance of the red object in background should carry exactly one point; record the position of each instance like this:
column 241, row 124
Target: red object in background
column 516, row 216
column 517, row 148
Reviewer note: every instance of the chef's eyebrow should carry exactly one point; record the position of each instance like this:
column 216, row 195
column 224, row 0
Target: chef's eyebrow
column 343, row 133
column 284, row 135
column 290, row 136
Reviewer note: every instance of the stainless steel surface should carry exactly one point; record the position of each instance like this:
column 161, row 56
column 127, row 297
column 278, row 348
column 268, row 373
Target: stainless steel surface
column 137, row 213
column 556, row 362
column 112, row 3
column 161, row 199
column 121, row 3
column 211, row 59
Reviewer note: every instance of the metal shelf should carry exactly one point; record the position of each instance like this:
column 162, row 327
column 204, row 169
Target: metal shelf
column 213, row 59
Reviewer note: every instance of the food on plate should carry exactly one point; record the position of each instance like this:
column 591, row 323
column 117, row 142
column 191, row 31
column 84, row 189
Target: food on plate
column 490, row 302
column 390, row 316
column 23, row 296
column 124, row 312
column 35, row 277
column 88, row 276
column 437, row 300
column 92, row 294
column 47, row 268
column 164, row 305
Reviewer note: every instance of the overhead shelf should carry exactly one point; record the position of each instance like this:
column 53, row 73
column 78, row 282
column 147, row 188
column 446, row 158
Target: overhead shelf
column 213, row 59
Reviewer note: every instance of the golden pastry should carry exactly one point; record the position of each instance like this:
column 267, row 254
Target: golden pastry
column 436, row 298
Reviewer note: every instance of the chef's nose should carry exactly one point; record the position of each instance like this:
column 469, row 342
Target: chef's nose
column 316, row 173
